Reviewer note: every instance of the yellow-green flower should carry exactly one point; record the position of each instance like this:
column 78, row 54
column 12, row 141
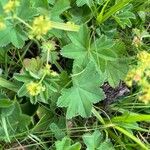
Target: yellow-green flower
column 147, row 72
column 145, row 97
column 129, row 77
column 47, row 69
column 54, row 73
column 141, row 74
column 2, row 25
column 34, row 88
column 138, row 74
column 48, row 46
column 144, row 59
column 140, row 70
column 145, row 88
column 11, row 5
column 41, row 25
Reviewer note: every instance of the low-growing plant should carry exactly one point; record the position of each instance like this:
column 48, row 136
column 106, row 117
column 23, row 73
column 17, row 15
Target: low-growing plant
column 55, row 58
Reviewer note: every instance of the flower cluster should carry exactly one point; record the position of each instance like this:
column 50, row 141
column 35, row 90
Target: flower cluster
column 34, row 88
column 144, row 59
column 11, row 5
column 145, row 87
column 48, row 71
column 41, row 25
column 141, row 75
column 48, row 46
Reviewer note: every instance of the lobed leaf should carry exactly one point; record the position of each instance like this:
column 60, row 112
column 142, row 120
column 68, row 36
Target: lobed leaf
column 85, row 91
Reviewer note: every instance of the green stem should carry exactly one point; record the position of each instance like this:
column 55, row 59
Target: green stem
column 25, row 50
column 48, row 52
column 64, row 26
column 42, row 78
column 20, row 59
column 97, row 115
column 132, row 137
column 6, row 66
column 22, row 21
column 100, row 16
column 4, row 125
column 112, row 10
column 58, row 66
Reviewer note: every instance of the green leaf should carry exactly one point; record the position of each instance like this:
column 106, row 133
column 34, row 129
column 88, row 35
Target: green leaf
column 84, row 92
column 3, row 55
column 4, row 36
column 106, row 145
column 112, row 10
column 42, row 3
column 33, row 65
column 42, row 124
column 59, row 133
column 9, row 85
column 52, row 2
column 95, row 142
column 81, row 16
column 116, row 70
column 14, row 124
column 101, row 52
column 12, row 34
column 22, row 91
column 6, row 107
column 83, row 2
column 59, row 7
column 1, row 8
column 92, row 141
column 22, row 120
column 80, row 48
column 49, row 83
column 4, row 103
column 123, row 16
column 24, row 77
column 26, row 11
column 65, row 144
column 131, row 118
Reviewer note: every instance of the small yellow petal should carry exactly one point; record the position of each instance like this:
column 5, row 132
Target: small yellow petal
column 34, row 88
column 12, row 4
column 41, row 25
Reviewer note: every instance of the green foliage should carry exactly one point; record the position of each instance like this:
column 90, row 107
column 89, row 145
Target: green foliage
column 9, row 85
column 119, row 4
column 49, row 82
column 12, row 121
column 83, row 2
column 60, row 60
column 59, row 7
column 26, row 11
column 13, row 35
column 59, row 134
column 95, row 141
column 101, row 52
column 65, row 144
column 82, row 94
column 3, row 56
column 123, row 17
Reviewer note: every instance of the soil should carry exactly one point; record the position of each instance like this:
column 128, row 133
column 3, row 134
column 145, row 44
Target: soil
column 113, row 94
